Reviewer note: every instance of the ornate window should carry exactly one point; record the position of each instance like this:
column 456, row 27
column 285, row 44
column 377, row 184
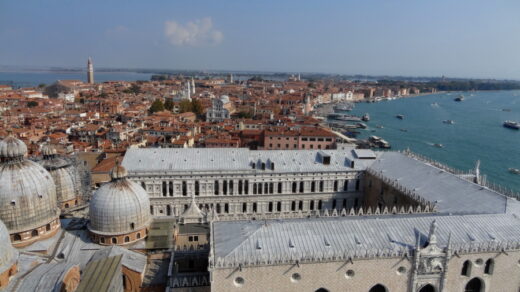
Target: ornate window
column 488, row 269
column 466, row 269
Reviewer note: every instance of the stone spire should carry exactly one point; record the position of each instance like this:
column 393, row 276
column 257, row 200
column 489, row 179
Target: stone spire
column 193, row 214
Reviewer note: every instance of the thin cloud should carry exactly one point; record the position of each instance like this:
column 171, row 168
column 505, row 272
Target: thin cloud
column 199, row 32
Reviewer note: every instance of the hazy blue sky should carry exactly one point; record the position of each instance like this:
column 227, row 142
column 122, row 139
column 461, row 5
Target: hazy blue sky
column 477, row 38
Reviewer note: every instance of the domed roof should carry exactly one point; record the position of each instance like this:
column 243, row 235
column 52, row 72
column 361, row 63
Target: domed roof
column 120, row 206
column 27, row 190
column 62, row 173
column 224, row 98
column 12, row 147
column 8, row 254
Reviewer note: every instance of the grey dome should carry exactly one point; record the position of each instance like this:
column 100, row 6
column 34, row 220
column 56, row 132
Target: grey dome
column 120, row 206
column 12, row 147
column 63, row 174
column 8, row 254
column 27, row 191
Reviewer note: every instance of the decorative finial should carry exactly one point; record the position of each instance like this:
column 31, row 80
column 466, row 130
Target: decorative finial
column 432, row 238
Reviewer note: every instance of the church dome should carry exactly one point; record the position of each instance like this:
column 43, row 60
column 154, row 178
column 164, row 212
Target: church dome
column 12, row 148
column 119, row 207
column 8, row 254
column 63, row 175
column 27, row 191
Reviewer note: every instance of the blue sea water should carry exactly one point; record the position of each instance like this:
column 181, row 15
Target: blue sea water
column 477, row 134
column 31, row 79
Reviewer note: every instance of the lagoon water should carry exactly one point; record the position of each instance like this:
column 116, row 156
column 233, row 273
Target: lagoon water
column 476, row 134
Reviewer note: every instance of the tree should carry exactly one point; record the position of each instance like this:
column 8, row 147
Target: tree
column 196, row 106
column 168, row 104
column 156, row 106
column 41, row 85
column 32, row 103
column 135, row 89
column 185, row 106
column 244, row 115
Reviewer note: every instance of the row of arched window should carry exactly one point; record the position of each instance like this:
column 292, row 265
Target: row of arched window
column 467, row 266
column 257, row 188
column 474, row 285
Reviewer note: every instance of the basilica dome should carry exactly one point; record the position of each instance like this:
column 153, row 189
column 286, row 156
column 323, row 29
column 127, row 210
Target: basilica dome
column 119, row 210
column 8, row 254
column 27, row 195
column 63, row 174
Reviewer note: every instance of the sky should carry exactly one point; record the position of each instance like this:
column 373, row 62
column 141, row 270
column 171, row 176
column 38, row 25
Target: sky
column 454, row 38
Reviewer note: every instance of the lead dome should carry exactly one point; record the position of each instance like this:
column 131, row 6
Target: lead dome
column 119, row 211
column 27, row 195
column 63, row 175
column 8, row 256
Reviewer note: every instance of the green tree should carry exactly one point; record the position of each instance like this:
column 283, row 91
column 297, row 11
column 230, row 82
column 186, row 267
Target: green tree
column 32, row 103
column 156, row 106
column 41, row 85
column 244, row 115
column 185, row 106
column 168, row 104
column 135, row 89
column 196, row 106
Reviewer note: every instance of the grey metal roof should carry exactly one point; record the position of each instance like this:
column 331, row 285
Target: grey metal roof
column 237, row 160
column 133, row 260
column 452, row 193
column 46, row 277
column 239, row 242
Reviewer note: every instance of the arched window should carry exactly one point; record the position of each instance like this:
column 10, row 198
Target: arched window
column 279, row 206
column 66, row 205
column 466, row 269
column 427, row 288
column 270, row 209
column 301, row 187
column 197, row 188
column 322, row 290
column 132, row 225
column 184, row 189
column 311, row 207
column 17, row 237
column 475, row 285
column 127, row 239
column 138, row 235
column 378, row 288
column 254, row 189
column 164, row 189
column 114, row 240
column 216, row 187
column 244, row 207
column 254, row 207
column 48, row 227
column 313, row 186
column 240, row 187
column 294, row 185
column 293, row 206
column 335, row 185
column 168, row 210
column 488, row 269
column 34, row 233
column 170, row 189
column 321, row 186
column 224, row 187
column 279, row 187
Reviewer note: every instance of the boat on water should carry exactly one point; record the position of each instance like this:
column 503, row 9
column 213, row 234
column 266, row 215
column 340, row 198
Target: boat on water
column 512, row 125
column 434, row 104
column 361, row 125
column 379, row 142
column 506, row 109
column 342, row 117
column 459, row 98
column 514, row 170
column 365, row 117
column 401, row 117
column 343, row 107
column 403, row 130
column 379, row 126
column 438, row 145
column 449, row 122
